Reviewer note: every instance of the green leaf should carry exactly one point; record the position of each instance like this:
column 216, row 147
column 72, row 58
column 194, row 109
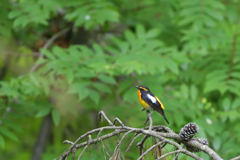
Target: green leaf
column 70, row 76
column 98, row 50
column 129, row 36
column 236, row 103
column 11, row 125
column 2, row 142
column 172, row 66
column 217, row 5
column 215, row 81
column 94, row 95
column 56, row 116
column 34, row 79
column 130, row 95
column 234, row 83
column 60, row 53
column 78, row 87
column 140, row 30
column 43, row 112
column 8, row 134
column 217, row 143
column 235, row 75
column 48, row 54
column 124, row 85
column 107, row 79
column 234, row 90
column 213, row 13
column 184, row 90
column 153, row 33
column 226, row 103
column 194, row 92
column 14, row 13
column 102, row 87
column 85, row 73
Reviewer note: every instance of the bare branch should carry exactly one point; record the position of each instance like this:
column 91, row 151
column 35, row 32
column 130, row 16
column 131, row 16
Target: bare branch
column 151, row 148
column 104, row 148
column 150, row 120
column 164, row 134
column 123, row 138
column 204, row 148
column 100, row 114
column 82, row 152
column 87, row 146
column 133, row 141
column 176, row 156
column 236, row 158
column 117, row 120
column 143, row 140
column 167, row 154
column 99, row 133
column 67, row 142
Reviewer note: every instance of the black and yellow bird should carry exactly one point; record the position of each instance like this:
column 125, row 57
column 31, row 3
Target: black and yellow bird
column 149, row 101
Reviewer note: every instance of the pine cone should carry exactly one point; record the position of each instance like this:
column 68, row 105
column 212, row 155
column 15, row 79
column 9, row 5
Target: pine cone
column 192, row 149
column 188, row 131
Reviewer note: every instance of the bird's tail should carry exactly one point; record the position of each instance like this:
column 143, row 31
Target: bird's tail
column 162, row 113
column 165, row 118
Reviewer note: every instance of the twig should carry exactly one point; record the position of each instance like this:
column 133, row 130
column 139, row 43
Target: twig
column 236, row 158
column 73, row 153
column 141, row 150
column 147, row 147
column 104, row 148
column 99, row 133
column 67, row 142
column 167, row 154
column 100, row 114
column 123, row 138
column 150, row 119
column 146, row 121
column 117, row 120
column 82, row 152
column 116, row 155
column 133, row 141
column 87, row 146
column 165, row 128
column 147, row 151
column 204, row 148
column 47, row 44
column 142, row 141
column 176, row 156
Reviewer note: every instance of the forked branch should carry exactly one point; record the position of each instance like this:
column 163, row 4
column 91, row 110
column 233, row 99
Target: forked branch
column 163, row 135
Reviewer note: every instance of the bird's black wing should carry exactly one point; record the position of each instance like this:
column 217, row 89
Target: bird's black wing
column 154, row 104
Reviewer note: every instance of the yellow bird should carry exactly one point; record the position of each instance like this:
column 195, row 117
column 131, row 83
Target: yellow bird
column 149, row 101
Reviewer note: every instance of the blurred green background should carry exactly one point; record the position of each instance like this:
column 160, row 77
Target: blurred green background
column 186, row 51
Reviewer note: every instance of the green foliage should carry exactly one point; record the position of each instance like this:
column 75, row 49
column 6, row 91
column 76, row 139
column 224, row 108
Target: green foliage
column 186, row 52
column 26, row 12
column 90, row 13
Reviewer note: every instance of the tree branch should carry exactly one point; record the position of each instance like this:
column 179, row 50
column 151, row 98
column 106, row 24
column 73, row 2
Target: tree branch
column 236, row 158
column 151, row 148
column 162, row 133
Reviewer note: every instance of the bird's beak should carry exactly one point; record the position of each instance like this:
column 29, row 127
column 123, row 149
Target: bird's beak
column 136, row 87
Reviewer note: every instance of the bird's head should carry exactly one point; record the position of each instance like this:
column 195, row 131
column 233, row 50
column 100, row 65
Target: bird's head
column 143, row 88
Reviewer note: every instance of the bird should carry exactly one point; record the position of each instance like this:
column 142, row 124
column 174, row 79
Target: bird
column 149, row 101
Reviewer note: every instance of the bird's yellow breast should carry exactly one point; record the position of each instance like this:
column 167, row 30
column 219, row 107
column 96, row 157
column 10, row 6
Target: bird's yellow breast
column 143, row 103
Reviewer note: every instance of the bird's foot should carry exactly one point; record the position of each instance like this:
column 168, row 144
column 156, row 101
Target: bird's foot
column 149, row 114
